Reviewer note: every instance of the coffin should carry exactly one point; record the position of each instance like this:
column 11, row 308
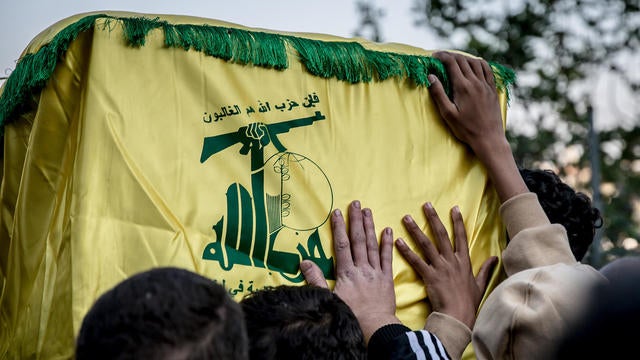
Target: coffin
column 133, row 141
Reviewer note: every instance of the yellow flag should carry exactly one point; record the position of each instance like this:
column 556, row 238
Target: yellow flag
column 135, row 141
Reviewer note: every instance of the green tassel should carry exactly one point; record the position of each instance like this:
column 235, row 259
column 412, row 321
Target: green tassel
column 384, row 65
column 137, row 29
column 33, row 70
column 270, row 50
column 346, row 61
column 504, row 78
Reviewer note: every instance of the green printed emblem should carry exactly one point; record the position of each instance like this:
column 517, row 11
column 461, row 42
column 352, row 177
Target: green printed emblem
column 256, row 220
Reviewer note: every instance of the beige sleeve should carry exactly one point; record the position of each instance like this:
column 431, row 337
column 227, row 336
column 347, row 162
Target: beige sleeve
column 526, row 314
column 546, row 287
column 535, row 242
column 454, row 335
column 521, row 212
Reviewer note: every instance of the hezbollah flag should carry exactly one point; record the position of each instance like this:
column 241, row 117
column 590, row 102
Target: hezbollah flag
column 134, row 141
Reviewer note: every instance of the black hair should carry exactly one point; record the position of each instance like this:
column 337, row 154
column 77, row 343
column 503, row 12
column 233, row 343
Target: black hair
column 563, row 205
column 164, row 313
column 301, row 322
column 607, row 328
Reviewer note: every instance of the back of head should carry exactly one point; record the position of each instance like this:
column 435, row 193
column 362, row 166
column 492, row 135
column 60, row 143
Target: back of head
column 621, row 268
column 164, row 313
column 563, row 205
column 301, row 322
column 608, row 328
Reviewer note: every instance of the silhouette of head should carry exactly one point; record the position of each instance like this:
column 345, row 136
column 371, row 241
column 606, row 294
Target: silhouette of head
column 606, row 331
column 164, row 313
column 301, row 322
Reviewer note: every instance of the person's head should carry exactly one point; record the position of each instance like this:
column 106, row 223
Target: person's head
column 563, row 205
column 164, row 313
column 301, row 322
column 607, row 329
column 621, row 268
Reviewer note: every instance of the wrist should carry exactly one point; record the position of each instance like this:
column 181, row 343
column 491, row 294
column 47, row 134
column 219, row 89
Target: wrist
column 372, row 322
column 466, row 316
column 491, row 151
column 501, row 167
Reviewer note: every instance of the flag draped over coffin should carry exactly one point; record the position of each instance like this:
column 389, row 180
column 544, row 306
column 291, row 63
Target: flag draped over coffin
column 134, row 141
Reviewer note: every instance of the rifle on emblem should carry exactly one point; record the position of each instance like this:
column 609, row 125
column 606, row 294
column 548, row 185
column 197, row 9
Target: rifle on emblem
column 253, row 135
column 252, row 239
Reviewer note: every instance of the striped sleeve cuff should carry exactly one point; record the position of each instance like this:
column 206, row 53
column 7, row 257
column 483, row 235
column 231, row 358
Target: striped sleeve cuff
column 396, row 342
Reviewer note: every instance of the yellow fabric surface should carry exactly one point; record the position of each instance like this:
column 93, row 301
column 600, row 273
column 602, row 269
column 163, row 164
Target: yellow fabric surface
column 132, row 158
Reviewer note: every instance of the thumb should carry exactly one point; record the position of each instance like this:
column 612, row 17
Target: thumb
column 440, row 98
column 313, row 274
column 485, row 271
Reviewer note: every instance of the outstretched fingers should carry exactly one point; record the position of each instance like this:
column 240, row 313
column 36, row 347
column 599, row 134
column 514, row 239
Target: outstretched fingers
column 428, row 249
column 386, row 251
column 359, row 245
column 476, row 66
column 439, row 231
column 447, row 109
column 313, row 274
column 451, row 64
column 364, row 278
column 416, row 262
column 461, row 243
column 462, row 251
column 466, row 66
column 357, row 234
column 341, row 243
column 373, row 253
column 488, row 74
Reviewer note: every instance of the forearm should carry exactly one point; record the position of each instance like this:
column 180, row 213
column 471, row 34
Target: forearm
column 501, row 167
column 535, row 242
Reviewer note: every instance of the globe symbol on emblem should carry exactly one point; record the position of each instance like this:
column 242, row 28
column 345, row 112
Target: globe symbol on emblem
column 302, row 192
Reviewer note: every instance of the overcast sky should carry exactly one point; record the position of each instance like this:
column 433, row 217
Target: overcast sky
column 22, row 20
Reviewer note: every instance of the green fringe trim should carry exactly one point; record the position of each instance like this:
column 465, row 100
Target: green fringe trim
column 33, row 70
column 346, row 61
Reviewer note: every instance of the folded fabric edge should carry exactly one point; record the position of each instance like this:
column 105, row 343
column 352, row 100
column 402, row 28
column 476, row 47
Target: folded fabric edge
column 347, row 61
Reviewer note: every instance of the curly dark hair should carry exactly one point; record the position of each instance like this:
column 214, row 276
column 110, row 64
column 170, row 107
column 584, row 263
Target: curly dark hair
column 563, row 205
column 301, row 322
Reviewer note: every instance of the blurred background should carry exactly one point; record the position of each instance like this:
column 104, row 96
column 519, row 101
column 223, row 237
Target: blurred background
column 575, row 107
